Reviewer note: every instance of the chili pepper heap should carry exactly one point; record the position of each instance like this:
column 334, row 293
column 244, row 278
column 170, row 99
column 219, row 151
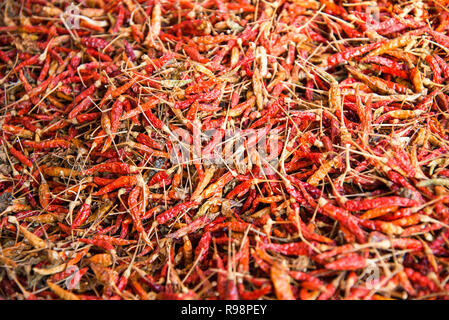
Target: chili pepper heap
column 224, row 149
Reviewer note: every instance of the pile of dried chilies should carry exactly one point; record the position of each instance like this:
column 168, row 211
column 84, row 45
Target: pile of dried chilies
column 102, row 100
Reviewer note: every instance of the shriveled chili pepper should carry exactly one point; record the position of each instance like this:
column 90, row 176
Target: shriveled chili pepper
column 173, row 212
column 281, row 282
column 83, row 213
column 113, row 167
column 123, row 181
